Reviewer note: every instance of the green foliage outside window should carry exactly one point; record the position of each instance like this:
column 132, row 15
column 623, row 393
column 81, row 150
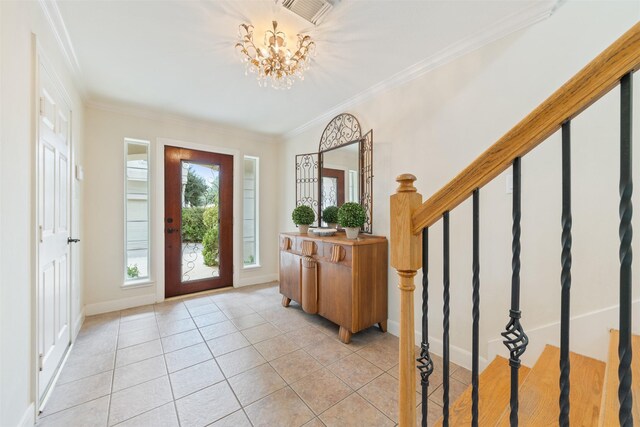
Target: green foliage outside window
column 133, row 271
column 195, row 189
column 210, row 241
column 193, row 227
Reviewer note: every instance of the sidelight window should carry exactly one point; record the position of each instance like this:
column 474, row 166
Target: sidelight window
column 250, row 217
column 137, row 211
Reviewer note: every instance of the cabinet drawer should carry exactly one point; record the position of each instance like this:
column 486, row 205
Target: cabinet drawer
column 307, row 247
column 337, row 254
column 286, row 243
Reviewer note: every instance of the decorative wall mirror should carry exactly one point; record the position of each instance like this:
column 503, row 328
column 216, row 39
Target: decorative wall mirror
column 341, row 171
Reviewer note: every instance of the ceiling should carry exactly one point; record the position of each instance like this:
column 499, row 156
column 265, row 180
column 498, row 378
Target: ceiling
column 179, row 57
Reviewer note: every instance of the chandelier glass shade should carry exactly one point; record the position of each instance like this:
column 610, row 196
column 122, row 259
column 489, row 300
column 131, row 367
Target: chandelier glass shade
column 274, row 63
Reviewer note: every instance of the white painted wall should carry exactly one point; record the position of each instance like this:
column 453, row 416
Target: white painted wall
column 438, row 123
column 107, row 126
column 17, row 177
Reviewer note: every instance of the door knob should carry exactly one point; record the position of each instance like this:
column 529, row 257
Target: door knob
column 70, row 240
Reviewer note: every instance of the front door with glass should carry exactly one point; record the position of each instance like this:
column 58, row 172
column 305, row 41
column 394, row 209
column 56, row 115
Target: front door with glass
column 198, row 221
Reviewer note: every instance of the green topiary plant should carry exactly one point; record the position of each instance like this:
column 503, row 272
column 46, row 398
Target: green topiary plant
column 330, row 214
column 303, row 215
column 351, row 215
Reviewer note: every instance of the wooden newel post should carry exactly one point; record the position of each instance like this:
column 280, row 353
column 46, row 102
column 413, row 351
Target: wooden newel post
column 406, row 259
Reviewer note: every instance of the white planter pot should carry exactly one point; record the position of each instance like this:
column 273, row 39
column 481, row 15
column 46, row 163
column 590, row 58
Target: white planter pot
column 352, row 232
column 303, row 229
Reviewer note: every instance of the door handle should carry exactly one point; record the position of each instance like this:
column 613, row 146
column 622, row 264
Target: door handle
column 70, row 240
column 171, row 230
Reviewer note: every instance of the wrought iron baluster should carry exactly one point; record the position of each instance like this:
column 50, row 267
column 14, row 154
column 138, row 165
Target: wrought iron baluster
column 425, row 364
column 515, row 338
column 625, row 232
column 445, row 322
column 565, row 276
column 476, row 309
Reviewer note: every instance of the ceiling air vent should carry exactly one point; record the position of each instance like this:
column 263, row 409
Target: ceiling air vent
column 311, row 10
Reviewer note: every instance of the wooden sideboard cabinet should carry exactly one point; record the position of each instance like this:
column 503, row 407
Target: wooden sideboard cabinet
column 342, row 280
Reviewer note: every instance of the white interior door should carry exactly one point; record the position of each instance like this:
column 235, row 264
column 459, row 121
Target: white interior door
column 54, row 207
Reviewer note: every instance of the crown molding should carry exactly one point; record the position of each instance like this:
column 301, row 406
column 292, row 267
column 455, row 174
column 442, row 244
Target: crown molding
column 180, row 120
column 59, row 28
column 533, row 14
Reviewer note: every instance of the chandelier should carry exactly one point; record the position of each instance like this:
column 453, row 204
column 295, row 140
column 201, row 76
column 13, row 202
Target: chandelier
column 274, row 64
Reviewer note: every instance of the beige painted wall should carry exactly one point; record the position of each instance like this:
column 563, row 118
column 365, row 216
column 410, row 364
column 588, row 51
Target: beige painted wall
column 437, row 124
column 104, row 204
column 17, row 179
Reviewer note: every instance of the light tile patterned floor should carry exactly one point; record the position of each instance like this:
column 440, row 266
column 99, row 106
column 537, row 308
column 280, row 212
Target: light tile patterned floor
column 231, row 358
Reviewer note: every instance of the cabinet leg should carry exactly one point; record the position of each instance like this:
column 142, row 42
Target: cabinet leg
column 383, row 326
column 345, row 335
column 286, row 301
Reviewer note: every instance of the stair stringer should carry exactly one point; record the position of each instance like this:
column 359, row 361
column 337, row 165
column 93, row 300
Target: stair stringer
column 589, row 333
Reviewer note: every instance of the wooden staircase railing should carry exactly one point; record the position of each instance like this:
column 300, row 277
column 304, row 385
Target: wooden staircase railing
column 411, row 219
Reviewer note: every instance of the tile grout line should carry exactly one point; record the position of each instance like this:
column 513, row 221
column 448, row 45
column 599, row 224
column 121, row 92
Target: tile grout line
column 117, row 319
column 222, row 372
column 312, row 411
column 289, row 386
column 370, row 402
column 75, row 406
column 113, row 373
column 168, row 377
column 356, row 391
column 173, row 396
column 143, row 382
column 323, row 329
column 267, row 362
column 141, row 360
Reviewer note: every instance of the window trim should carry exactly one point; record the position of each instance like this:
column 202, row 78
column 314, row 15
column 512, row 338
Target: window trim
column 256, row 263
column 148, row 279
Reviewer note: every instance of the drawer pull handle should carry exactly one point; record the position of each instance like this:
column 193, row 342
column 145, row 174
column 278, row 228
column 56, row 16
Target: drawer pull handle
column 286, row 244
column 308, row 248
column 337, row 253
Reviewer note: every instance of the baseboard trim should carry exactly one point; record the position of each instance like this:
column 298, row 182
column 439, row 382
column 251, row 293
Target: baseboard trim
column 457, row 355
column 78, row 324
column 119, row 304
column 124, row 303
column 257, row 280
column 29, row 417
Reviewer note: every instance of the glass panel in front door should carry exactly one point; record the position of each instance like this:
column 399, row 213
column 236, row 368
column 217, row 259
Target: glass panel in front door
column 329, row 191
column 200, row 221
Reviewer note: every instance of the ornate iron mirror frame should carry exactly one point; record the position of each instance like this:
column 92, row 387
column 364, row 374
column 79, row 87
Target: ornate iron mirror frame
column 342, row 130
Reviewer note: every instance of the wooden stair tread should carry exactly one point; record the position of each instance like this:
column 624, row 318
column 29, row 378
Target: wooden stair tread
column 610, row 404
column 494, row 384
column 540, row 393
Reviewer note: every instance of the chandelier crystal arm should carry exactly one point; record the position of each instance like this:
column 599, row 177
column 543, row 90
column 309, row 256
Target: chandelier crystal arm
column 274, row 63
column 246, row 46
